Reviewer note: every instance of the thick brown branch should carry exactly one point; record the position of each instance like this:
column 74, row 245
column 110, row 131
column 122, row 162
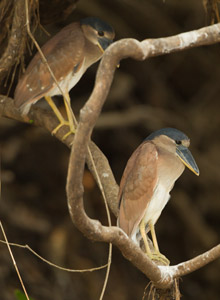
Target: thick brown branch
column 88, row 117
column 191, row 265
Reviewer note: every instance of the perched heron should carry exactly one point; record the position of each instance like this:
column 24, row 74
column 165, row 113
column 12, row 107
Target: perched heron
column 147, row 180
column 69, row 53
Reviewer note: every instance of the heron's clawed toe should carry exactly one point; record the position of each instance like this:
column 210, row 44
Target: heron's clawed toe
column 159, row 258
column 62, row 123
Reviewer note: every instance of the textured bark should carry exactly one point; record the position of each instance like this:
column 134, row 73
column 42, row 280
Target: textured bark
column 16, row 40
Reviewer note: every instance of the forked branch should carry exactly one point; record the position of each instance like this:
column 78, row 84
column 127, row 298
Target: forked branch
column 161, row 276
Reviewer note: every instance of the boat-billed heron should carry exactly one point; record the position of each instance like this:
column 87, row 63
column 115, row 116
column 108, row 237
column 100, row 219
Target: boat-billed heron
column 69, row 53
column 147, row 180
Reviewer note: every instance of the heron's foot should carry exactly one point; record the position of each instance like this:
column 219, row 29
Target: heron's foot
column 160, row 258
column 72, row 131
column 62, row 123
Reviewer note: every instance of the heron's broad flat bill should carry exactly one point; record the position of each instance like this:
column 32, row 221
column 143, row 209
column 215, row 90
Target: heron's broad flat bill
column 186, row 157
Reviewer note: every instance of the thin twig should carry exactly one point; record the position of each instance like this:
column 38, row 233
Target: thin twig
column 107, row 271
column 109, row 223
column 10, row 251
column 52, row 264
column 14, row 262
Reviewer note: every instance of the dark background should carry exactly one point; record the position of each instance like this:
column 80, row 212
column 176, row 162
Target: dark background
column 178, row 90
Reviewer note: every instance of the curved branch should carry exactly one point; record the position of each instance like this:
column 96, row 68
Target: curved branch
column 163, row 276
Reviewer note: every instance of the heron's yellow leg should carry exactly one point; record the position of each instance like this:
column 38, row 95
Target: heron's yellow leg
column 63, row 122
column 154, row 237
column 144, row 237
column 155, row 256
column 69, row 116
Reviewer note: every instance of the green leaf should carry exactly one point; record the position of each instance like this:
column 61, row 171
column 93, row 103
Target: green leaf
column 21, row 296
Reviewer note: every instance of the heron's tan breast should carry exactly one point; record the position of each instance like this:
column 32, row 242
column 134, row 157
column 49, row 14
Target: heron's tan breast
column 170, row 168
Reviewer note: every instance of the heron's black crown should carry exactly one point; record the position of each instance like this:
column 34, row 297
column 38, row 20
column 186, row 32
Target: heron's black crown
column 172, row 133
column 97, row 24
